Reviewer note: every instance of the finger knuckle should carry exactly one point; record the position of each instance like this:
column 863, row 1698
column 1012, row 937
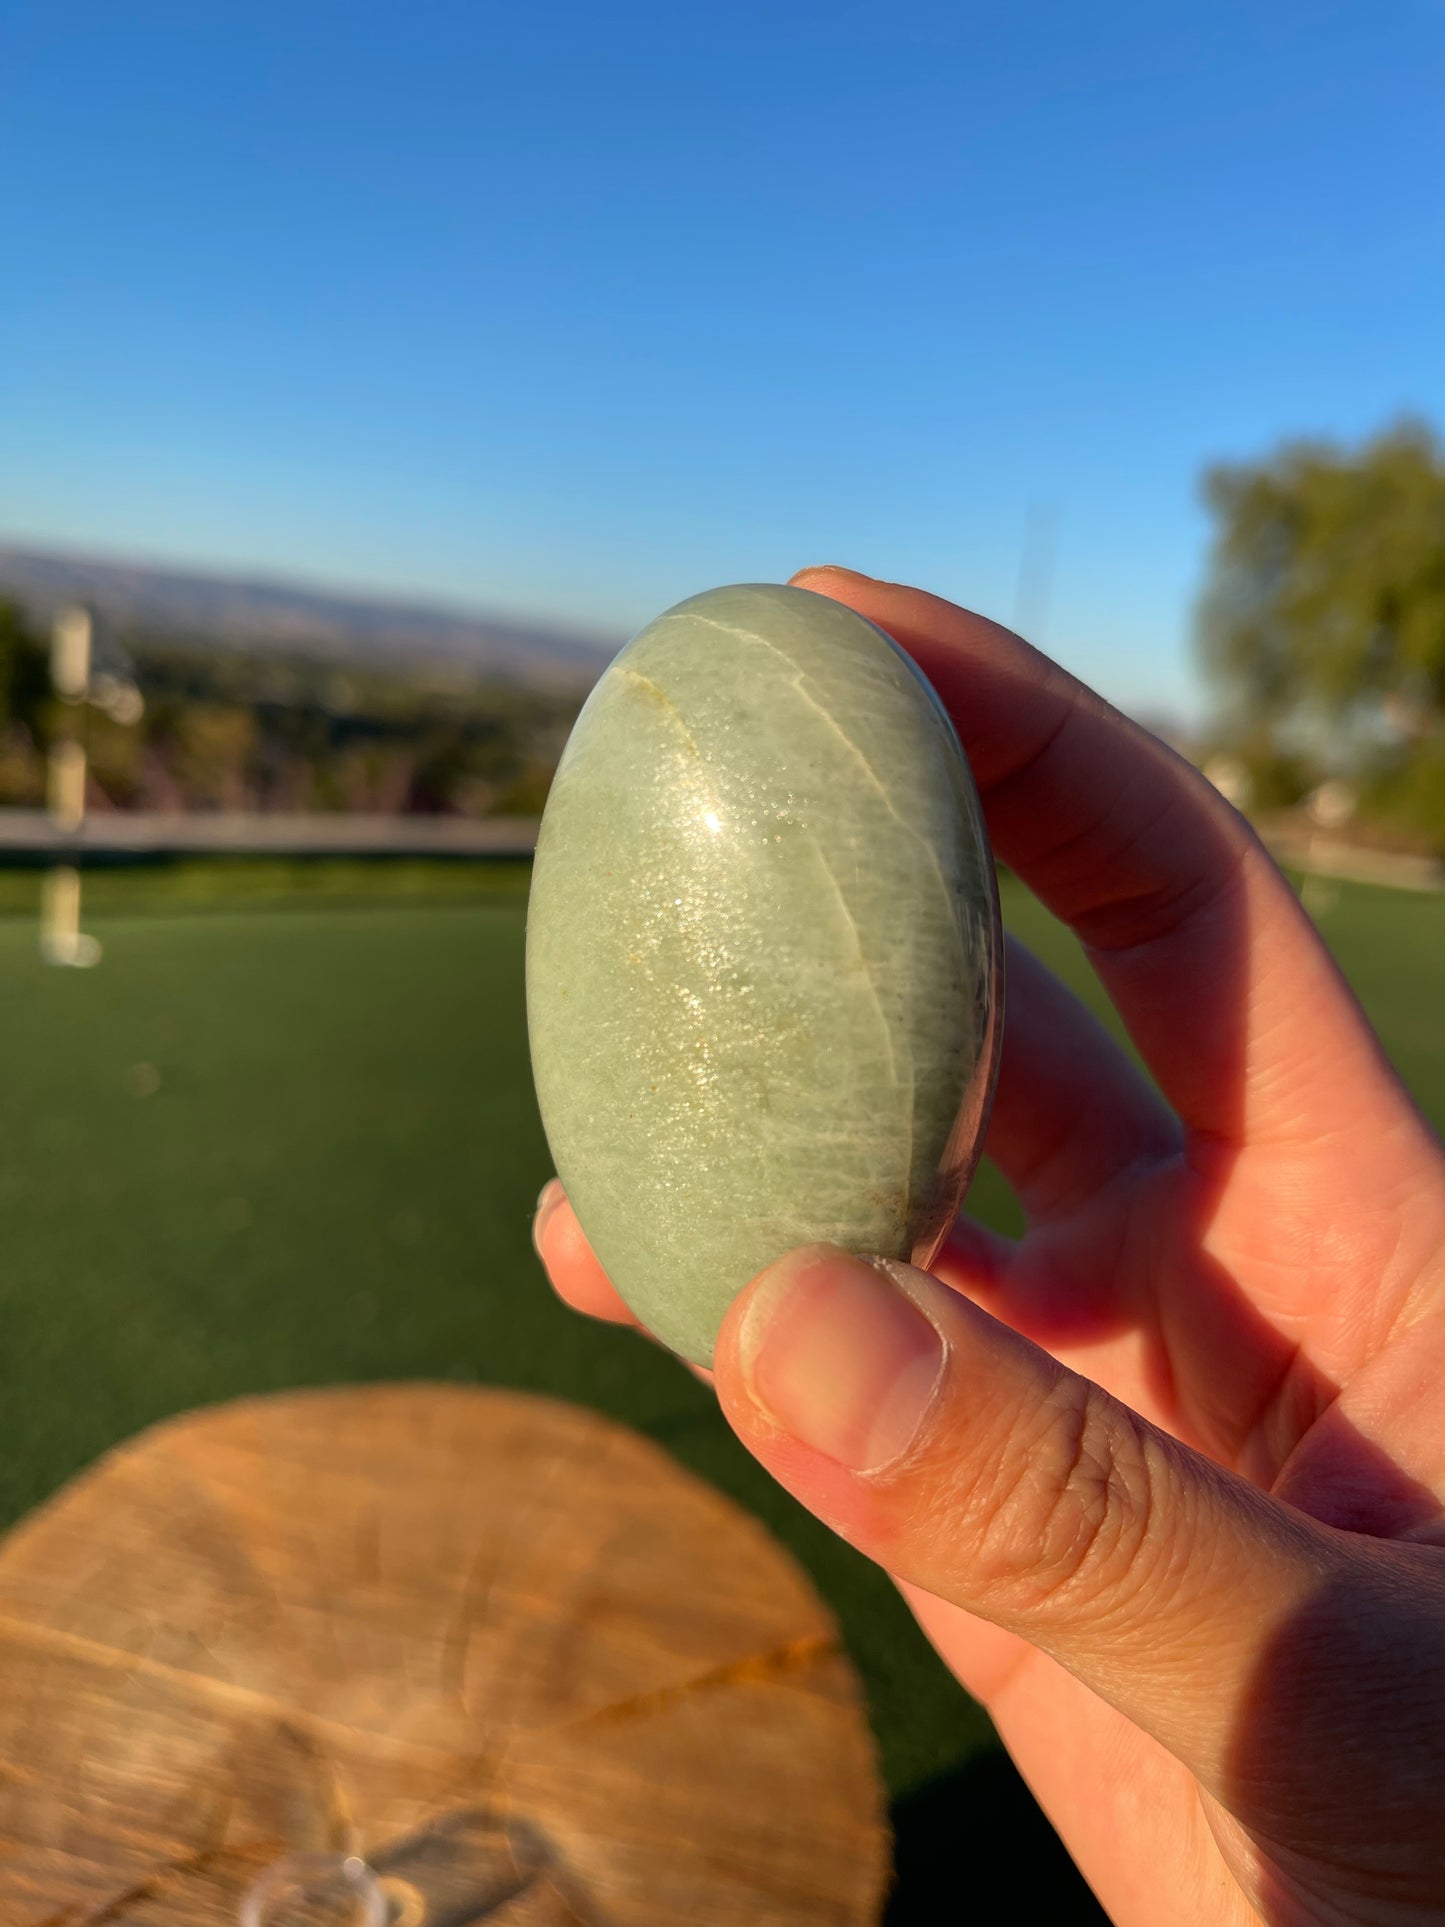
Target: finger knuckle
column 1071, row 1513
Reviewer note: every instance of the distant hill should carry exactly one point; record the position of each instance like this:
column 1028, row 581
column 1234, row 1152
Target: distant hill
column 137, row 599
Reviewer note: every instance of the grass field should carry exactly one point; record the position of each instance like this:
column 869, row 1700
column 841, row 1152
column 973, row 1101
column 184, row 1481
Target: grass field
column 294, row 1142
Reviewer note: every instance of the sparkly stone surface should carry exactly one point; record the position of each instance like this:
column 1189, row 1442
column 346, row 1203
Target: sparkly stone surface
column 761, row 954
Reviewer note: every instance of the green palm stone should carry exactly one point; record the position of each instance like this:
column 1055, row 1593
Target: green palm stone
column 762, row 954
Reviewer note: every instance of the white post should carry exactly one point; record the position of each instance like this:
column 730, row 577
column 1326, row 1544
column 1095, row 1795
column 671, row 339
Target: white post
column 65, row 785
column 61, row 939
column 70, row 655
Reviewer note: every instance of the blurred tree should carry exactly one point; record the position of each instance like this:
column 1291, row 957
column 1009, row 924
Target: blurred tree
column 214, row 744
column 215, row 727
column 442, row 767
column 24, row 693
column 115, row 752
column 1323, row 619
column 24, row 669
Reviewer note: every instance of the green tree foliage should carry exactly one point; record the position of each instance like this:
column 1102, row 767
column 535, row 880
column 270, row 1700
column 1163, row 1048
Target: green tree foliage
column 24, row 703
column 229, row 729
column 1323, row 621
column 24, row 670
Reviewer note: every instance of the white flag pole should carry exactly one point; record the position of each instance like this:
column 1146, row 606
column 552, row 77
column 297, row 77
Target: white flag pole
column 61, row 938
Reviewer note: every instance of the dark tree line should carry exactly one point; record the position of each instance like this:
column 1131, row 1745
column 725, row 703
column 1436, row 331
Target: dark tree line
column 1323, row 624
column 209, row 728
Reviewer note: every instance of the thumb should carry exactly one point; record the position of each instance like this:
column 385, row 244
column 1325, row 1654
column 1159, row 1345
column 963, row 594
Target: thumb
column 968, row 1462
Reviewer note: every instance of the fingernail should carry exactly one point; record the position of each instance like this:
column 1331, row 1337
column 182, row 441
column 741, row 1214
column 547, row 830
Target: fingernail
column 832, row 568
column 548, row 1198
column 838, row 1354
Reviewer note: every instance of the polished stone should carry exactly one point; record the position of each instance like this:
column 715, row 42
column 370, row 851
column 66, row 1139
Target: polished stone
column 762, row 954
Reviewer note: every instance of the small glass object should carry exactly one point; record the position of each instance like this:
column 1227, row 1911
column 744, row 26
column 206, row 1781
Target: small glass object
column 316, row 1890
column 466, row 1865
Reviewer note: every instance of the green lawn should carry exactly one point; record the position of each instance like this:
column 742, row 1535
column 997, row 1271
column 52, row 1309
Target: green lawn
column 273, row 1146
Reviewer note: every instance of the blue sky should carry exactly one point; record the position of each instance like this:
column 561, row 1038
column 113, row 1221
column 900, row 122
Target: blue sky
column 575, row 310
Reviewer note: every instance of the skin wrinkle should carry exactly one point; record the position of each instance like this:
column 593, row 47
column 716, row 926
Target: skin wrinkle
column 1020, row 780
column 1226, row 1438
column 1025, row 771
column 1095, row 835
column 1169, row 911
column 1316, row 1249
column 1053, row 1043
column 1272, row 1423
column 1029, row 1174
column 954, row 1495
column 1093, row 1511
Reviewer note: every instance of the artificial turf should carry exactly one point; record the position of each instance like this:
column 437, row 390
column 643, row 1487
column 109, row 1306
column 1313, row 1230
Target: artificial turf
column 295, row 1143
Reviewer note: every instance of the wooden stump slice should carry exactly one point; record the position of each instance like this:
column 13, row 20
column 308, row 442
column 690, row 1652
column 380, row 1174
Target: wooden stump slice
column 500, row 1647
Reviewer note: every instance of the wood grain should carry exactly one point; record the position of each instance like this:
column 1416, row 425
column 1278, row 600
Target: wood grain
column 474, row 1636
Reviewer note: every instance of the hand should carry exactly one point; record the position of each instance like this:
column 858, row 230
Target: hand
column 1163, row 1481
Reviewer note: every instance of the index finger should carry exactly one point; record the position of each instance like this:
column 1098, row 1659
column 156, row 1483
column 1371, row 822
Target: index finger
column 1196, row 935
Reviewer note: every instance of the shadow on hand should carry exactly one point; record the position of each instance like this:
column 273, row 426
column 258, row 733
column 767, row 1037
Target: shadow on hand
column 1334, row 1768
column 972, row 1831
column 1332, row 1775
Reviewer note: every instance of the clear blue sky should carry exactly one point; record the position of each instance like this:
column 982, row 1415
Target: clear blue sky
column 576, row 309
